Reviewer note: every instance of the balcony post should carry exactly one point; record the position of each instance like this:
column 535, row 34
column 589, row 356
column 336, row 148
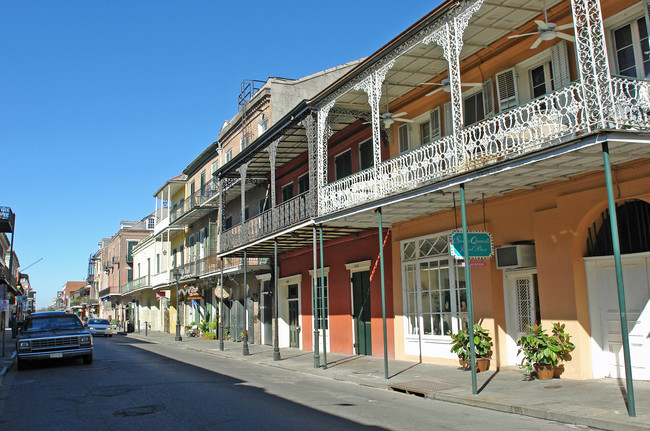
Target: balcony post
column 450, row 38
column 468, row 285
column 322, row 298
column 276, row 276
column 312, row 156
column 272, row 150
column 245, row 340
column 593, row 64
column 625, row 334
column 242, row 172
column 314, row 302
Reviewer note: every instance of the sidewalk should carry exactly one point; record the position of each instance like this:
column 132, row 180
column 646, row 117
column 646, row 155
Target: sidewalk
column 9, row 349
column 594, row 403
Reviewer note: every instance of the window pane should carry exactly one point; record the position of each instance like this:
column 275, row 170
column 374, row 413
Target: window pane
column 645, row 47
column 425, row 133
column 303, row 184
column 365, row 155
column 625, row 51
column 343, row 165
column 538, row 81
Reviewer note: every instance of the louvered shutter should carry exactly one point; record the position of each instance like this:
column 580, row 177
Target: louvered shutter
column 403, row 136
column 560, row 64
column 434, row 123
column 212, row 238
column 488, row 98
column 448, row 119
column 507, row 89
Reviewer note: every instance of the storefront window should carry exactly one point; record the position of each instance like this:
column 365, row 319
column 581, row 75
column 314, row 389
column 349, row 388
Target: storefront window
column 435, row 302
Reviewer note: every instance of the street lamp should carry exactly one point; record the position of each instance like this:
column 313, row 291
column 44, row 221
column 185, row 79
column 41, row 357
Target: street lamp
column 177, row 275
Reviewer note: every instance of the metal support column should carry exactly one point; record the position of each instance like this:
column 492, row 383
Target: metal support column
column 625, row 335
column 468, row 286
column 383, row 291
column 314, row 304
column 221, row 323
column 245, row 340
column 322, row 299
column 276, row 276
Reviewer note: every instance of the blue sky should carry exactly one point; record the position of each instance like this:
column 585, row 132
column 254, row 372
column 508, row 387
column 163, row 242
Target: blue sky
column 102, row 101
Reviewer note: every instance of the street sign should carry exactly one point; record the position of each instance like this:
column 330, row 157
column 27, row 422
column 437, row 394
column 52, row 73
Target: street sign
column 480, row 245
column 4, row 305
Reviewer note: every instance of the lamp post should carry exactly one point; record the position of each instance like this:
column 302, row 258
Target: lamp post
column 177, row 275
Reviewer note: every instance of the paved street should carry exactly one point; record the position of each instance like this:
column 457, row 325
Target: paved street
column 137, row 385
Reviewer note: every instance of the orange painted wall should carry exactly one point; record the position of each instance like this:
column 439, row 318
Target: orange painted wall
column 338, row 253
column 556, row 217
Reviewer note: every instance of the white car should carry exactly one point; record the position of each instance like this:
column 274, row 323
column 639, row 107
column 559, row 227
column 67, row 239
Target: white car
column 100, row 327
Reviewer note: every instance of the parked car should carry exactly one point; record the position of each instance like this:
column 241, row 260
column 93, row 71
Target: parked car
column 100, row 327
column 53, row 334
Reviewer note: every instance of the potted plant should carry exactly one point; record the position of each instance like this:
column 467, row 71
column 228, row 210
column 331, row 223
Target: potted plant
column 460, row 345
column 566, row 346
column 541, row 352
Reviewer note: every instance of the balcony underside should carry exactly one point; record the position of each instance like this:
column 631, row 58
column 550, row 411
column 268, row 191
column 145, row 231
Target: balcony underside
column 558, row 163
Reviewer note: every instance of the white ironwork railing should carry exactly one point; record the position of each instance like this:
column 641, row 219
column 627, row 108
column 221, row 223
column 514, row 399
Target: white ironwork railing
column 286, row 214
column 537, row 124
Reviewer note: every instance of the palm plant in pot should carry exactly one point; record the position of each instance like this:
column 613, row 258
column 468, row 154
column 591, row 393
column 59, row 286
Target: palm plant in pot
column 541, row 352
column 482, row 347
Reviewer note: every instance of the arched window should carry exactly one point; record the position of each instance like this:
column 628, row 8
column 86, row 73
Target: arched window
column 633, row 230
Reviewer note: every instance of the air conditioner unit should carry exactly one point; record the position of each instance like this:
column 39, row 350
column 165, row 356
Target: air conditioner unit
column 515, row 256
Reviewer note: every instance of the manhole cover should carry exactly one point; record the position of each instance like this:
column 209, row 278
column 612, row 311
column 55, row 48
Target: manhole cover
column 136, row 411
column 111, row 391
column 420, row 387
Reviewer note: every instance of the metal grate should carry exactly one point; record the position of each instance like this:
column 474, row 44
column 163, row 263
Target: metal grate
column 49, row 343
column 524, row 304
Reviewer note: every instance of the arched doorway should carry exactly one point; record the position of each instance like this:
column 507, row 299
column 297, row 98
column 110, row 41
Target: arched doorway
column 634, row 233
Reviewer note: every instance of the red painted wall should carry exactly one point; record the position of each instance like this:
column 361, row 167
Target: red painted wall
column 338, row 253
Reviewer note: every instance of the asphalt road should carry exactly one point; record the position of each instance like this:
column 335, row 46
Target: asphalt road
column 136, row 385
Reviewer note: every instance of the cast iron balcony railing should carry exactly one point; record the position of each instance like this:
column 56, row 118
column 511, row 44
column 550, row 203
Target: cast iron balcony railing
column 539, row 123
column 284, row 215
column 136, row 284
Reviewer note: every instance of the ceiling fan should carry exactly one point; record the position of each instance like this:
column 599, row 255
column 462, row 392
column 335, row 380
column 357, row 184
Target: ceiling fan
column 389, row 118
column 547, row 31
column 445, row 86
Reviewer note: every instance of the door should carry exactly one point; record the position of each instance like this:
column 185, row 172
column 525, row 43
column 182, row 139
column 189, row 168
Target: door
column 361, row 312
column 294, row 322
column 267, row 317
column 237, row 315
column 605, row 316
column 523, row 309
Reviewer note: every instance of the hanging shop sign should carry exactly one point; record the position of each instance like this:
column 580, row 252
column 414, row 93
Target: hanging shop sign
column 194, row 294
column 480, row 243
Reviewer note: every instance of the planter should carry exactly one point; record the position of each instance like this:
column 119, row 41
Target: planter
column 557, row 371
column 482, row 364
column 544, row 372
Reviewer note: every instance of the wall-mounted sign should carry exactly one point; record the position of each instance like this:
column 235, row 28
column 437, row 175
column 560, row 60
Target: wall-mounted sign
column 194, row 294
column 4, row 305
column 480, row 245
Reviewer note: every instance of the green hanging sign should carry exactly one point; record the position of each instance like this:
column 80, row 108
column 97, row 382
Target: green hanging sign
column 480, row 243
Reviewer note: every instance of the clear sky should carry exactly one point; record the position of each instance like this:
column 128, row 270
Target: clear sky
column 102, row 101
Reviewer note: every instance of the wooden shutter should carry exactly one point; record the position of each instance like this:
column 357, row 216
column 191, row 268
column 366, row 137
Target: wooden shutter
column 448, row 119
column 212, row 238
column 488, row 98
column 507, row 89
column 560, row 64
column 403, row 137
column 434, row 123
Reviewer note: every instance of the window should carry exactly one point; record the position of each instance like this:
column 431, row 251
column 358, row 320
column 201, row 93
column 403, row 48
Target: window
column 227, row 224
column 631, row 46
column 174, row 258
column 541, row 79
column 244, row 141
column 319, row 294
column 129, row 250
column 264, row 204
column 435, row 302
column 138, row 270
column 425, row 132
column 202, row 183
column 507, row 89
column 473, row 108
column 151, row 222
column 129, row 275
column 192, row 188
column 303, row 184
column 403, row 137
column 229, row 155
column 366, row 155
column 181, row 252
column 287, row 192
column 343, row 165
column 214, row 167
column 262, row 125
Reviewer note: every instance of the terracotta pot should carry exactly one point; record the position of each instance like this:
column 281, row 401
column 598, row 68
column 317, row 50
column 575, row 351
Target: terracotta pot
column 544, row 372
column 557, row 371
column 464, row 363
column 482, row 364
